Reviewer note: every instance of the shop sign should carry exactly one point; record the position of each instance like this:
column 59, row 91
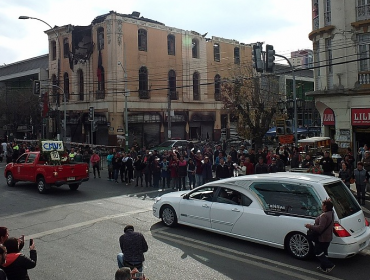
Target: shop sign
column 328, row 117
column 360, row 116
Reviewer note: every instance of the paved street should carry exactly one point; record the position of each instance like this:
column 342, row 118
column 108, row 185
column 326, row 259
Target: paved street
column 76, row 235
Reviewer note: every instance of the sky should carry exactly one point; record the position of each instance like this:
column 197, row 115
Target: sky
column 285, row 24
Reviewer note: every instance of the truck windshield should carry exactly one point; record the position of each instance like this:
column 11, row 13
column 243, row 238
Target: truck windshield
column 343, row 201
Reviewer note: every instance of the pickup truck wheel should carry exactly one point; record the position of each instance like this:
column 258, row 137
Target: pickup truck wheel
column 41, row 185
column 10, row 179
column 74, row 187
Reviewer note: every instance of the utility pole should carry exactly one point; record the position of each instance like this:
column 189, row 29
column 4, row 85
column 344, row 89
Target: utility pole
column 169, row 136
column 126, row 95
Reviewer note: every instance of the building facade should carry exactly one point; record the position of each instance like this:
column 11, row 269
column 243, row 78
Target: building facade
column 340, row 36
column 302, row 58
column 159, row 69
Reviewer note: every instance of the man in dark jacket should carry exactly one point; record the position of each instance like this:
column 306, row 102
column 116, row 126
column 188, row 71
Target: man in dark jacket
column 222, row 170
column 261, row 167
column 327, row 164
column 133, row 246
column 17, row 264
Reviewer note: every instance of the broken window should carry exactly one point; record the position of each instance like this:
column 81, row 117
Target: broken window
column 55, row 95
column 101, row 82
column 80, row 77
column 196, row 86
column 171, row 44
column 66, row 86
column 142, row 40
column 100, row 37
column 216, row 52
column 53, row 50
column 236, row 55
column 194, row 48
column 218, row 87
column 172, row 85
column 65, row 47
column 143, row 83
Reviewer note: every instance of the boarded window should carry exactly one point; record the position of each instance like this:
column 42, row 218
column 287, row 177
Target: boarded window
column 195, row 48
column 216, row 52
column 66, row 86
column 65, row 47
column 171, row 44
column 143, row 83
column 142, row 40
column 172, row 85
column 100, row 36
column 217, row 88
column 55, row 95
column 236, row 55
column 80, row 77
column 53, row 50
column 196, row 86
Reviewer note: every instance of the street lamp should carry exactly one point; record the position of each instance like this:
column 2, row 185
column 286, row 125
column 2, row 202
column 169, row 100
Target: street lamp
column 126, row 95
column 57, row 36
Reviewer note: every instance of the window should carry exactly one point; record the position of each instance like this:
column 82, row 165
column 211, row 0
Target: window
column 53, row 51
column 205, row 193
column 230, row 196
column 100, row 37
column 216, row 52
column 55, row 96
column 22, row 159
column 364, row 48
column 316, row 57
column 31, row 158
column 194, row 48
column 143, row 83
column 65, row 47
column 80, row 79
column 196, row 86
column 217, row 88
column 142, row 40
column 171, row 44
column 172, row 85
column 288, row 199
column 236, row 55
column 66, row 86
column 327, row 14
column 101, row 82
column 329, row 55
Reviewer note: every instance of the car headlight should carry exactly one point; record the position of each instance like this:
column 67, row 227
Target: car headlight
column 158, row 198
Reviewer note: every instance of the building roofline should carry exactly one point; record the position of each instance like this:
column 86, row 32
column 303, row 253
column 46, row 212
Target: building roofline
column 23, row 61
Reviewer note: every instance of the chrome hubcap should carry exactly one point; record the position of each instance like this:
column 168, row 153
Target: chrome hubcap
column 168, row 216
column 299, row 245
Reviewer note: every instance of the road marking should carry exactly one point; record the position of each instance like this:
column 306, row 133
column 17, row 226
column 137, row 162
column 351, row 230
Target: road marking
column 86, row 223
column 255, row 260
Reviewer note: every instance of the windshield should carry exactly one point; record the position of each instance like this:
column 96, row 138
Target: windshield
column 344, row 202
column 166, row 144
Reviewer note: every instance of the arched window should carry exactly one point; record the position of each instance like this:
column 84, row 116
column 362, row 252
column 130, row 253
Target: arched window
column 142, row 40
column 143, row 83
column 196, row 86
column 53, row 50
column 80, row 80
column 172, row 85
column 217, row 88
column 236, row 55
column 171, row 44
column 216, row 52
column 66, row 86
column 65, row 47
column 100, row 37
column 195, row 48
column 55, row 96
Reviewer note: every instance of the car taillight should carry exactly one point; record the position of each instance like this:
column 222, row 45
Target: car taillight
column 340, row 231
column 366, row 223
column 87, row 171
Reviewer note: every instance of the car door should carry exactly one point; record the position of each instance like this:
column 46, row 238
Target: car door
column 18, row 167
column 196, row 206
column 226, row 210
column 29, row 167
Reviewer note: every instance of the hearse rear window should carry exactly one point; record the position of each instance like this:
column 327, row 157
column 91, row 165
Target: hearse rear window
column 344, row 202
column 293, row 199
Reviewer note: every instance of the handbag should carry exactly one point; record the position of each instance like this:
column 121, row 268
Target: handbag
column 313, row 235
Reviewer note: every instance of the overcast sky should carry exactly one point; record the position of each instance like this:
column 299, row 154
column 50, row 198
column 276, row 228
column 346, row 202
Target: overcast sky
column 285, row 24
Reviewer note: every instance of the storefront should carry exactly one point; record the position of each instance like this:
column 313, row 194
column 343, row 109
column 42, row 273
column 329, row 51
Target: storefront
column 360, row 120
column 328, row 120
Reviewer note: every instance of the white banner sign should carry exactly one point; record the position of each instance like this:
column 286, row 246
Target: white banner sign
column 48, row 146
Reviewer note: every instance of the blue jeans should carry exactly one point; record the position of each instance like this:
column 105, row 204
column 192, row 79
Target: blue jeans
column 192, row 181
column 199, row 179
column 120, row 261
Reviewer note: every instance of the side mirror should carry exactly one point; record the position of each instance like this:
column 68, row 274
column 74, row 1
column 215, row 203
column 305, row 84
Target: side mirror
column 186, row 196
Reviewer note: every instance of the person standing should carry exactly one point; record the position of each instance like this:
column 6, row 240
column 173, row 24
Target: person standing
column 324, row 226
column 17, row 264
column 345, row 175
column 138, row 167
column 110, row 165
column 116, row 162
column 129, row 169
column 222, row 170
column 198, row 170
column 316, row 169
column 206, row 170
column 327, row 164
column 261, row 167
column 182, row 172
column 165, row 173
column 361, row 177
column 191, row 173
column 95, row 160
column 173, row 172
column 156, row 171
column 133, row 246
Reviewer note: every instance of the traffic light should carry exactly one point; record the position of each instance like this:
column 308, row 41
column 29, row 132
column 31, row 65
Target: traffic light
column 36, row 87
column 270, row 58
column 91, row 114
column 280, row 130
column 257, row 58
column 95, row 126
column 288, row 127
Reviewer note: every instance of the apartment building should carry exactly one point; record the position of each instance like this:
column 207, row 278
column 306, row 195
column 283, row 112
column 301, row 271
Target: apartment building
column 341, row 40
column 154, row 66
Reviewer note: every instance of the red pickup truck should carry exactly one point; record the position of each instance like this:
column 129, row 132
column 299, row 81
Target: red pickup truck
column 33, row 167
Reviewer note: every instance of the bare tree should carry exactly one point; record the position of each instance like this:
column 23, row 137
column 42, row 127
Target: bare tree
column 252, row 99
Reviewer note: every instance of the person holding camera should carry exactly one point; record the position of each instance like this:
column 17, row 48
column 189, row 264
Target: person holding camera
column 125, row 273
column 133, row 246
column 17, row 264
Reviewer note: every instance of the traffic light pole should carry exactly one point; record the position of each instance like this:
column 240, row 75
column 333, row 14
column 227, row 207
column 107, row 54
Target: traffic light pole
column 295, row 120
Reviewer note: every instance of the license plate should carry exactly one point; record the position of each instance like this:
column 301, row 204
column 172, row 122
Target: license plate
column 71, row 178
column 362, row 244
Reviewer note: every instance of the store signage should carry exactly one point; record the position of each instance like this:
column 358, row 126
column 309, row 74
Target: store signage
column 328, row 117
column 360, row 116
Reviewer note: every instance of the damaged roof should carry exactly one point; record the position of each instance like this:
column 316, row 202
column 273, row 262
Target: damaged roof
column 134, row 15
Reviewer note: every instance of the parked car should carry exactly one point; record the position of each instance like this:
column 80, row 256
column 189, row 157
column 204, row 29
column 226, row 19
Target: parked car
column 270, row 209
column 169, row 145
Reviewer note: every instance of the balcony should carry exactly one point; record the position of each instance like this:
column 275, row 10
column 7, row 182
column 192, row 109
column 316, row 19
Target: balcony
column 315, row 23
column 364, row 78
column 363, row 12
column 144, row 94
